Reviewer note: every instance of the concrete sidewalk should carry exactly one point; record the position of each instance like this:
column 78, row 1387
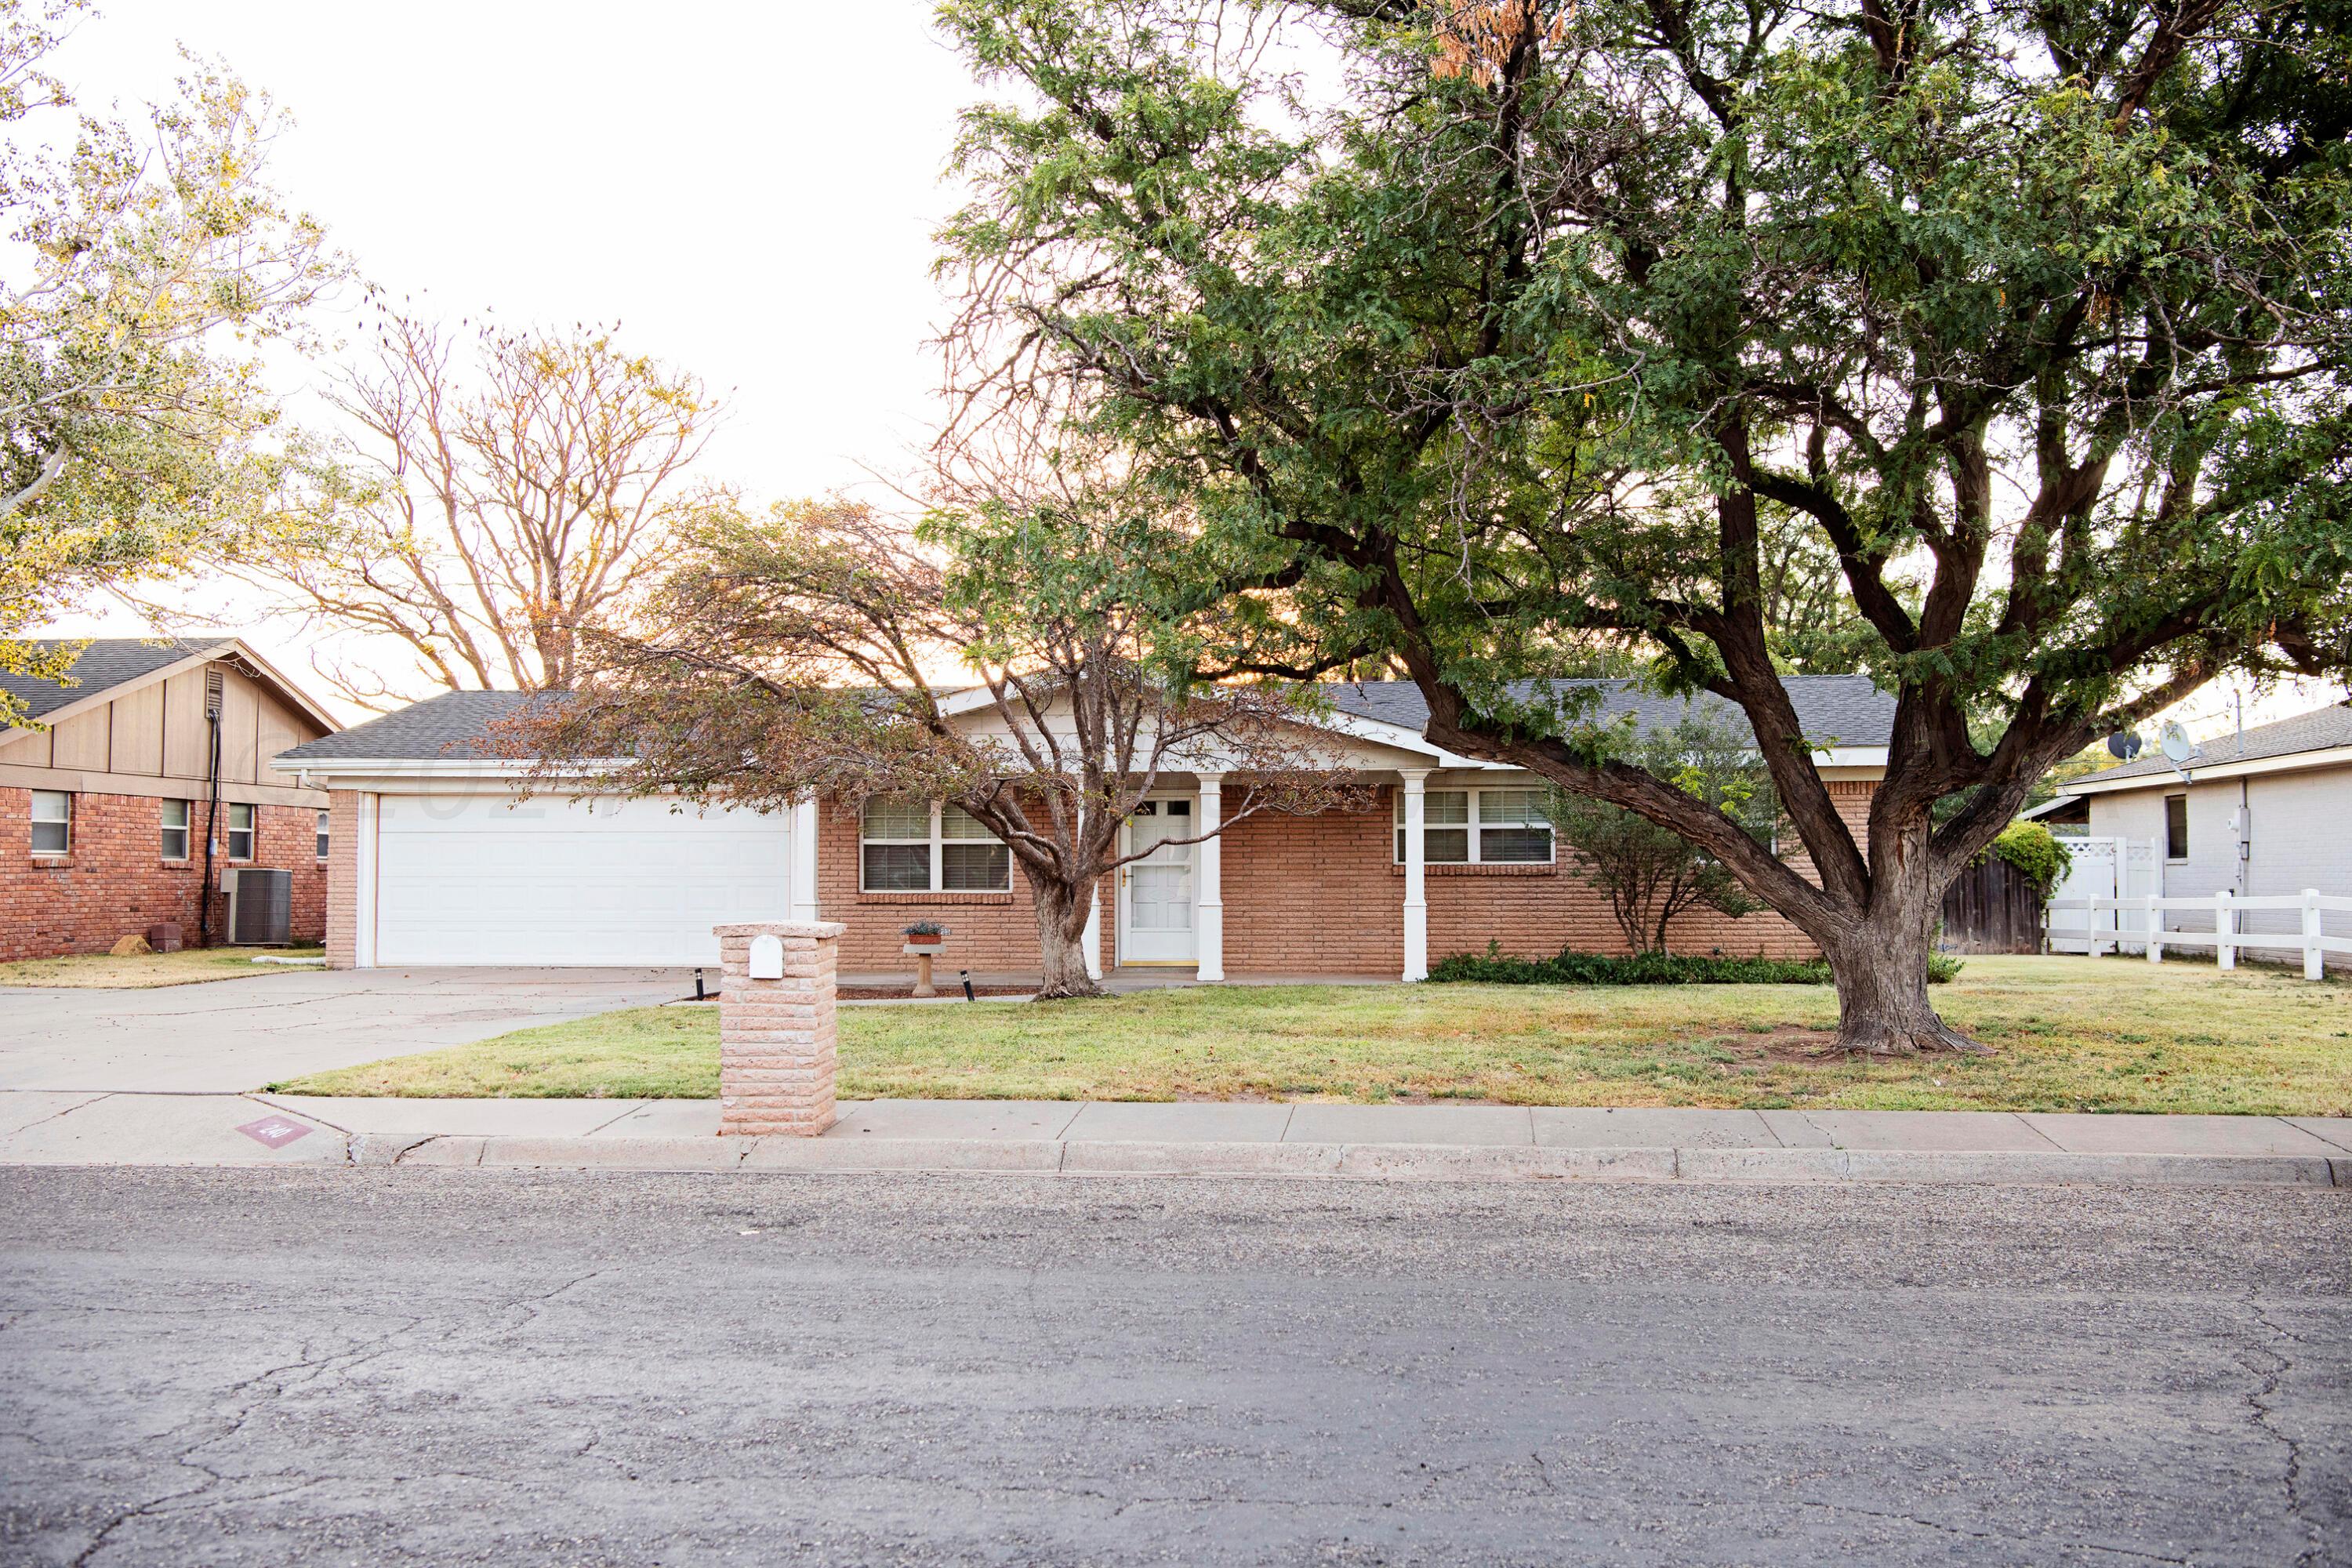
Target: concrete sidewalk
column 1395, row 1142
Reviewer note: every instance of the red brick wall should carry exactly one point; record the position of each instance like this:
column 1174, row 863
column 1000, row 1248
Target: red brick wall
column 342, row 877
column 116, row 881
column 1313, row 895
column 987, row 932
column 1535, row 912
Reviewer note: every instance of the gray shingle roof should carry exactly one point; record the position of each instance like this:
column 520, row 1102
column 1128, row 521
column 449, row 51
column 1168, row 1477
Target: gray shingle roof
column 1846, row 709
column 107, row 662
column 452, row 725
column 2313, row 732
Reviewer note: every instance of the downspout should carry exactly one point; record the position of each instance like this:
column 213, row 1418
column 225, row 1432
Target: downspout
column 212, row 817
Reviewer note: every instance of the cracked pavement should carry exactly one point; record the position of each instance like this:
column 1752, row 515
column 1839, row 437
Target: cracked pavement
column 397, row 1366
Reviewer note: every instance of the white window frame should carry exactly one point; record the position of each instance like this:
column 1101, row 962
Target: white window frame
column 2169, row 858
column 325, row 838
column 39, row 822
column 938, row 841
column 251, row 830
column 185, row 827
column 1476, row 826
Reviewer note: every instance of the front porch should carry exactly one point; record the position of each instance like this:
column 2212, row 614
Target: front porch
column 1343, row 895
column 1117, row 980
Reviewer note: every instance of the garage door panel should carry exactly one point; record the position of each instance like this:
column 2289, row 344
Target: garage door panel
column 473, row 879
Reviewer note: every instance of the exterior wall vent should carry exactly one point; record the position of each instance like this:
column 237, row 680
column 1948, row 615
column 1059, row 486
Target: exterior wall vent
column 214, row 684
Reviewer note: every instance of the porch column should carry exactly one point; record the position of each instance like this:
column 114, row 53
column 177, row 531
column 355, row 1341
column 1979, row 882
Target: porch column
column 1090, row 940
column 1209, row 913
column 803, row 868
column 1417, row 906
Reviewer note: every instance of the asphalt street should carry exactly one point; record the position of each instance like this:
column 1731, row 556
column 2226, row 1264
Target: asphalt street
column 397, row 1366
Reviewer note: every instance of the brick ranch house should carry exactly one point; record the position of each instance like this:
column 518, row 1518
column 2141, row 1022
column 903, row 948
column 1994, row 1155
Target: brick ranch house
column 105, row 811
column 436, row 861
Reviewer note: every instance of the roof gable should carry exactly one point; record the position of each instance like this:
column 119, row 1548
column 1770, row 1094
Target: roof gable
column 110, row 665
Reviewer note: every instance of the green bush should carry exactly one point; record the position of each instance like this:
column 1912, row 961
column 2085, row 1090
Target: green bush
column 2033, row 849
column 1569, row 967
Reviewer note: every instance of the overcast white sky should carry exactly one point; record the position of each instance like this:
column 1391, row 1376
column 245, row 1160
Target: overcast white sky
column 748, row 189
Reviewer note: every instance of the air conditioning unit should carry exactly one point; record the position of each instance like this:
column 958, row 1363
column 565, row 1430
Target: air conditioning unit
column 260, row 906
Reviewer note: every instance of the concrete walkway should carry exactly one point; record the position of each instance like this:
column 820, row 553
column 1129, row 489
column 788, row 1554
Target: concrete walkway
column 1396, row 1141
column 226, row 1035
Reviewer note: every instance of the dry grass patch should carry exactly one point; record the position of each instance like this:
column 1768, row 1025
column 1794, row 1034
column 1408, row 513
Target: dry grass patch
column 143, row 970
column 2067, row 1034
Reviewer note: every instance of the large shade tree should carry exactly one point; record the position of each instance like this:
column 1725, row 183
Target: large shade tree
column 825, row 649
column 143, row 259
column 1491, row 334
column 499, row 489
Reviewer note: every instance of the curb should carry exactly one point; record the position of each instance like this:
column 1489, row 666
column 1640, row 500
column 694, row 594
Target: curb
column 1366, row 1162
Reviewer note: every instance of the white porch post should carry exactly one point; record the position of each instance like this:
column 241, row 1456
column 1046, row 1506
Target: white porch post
column 1416, row 907
column 1208, row 911
column 1090, row 940
column 803, row 868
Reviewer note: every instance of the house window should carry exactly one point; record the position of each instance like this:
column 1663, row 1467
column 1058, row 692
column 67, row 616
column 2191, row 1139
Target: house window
column 1480, row 826
column 2176, row 828
column 241, row 833
column 972, row 858
column 1445, row 828
column 322, row 836
column 1513, row 827
column 907, row 847
column 52, row 822
column 176, row 830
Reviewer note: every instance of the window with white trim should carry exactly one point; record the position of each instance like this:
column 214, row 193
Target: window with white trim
column 176, row 830
column 52, row 822
column 1480, row 827
column 908, row 847
column 241, row 833
column 322, row 836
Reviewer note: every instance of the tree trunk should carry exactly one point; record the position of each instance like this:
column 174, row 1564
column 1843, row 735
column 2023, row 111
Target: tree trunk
column 1061, row 940
column 1880, row 965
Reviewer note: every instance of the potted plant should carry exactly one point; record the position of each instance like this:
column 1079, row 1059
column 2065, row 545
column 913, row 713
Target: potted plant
column 923, row 933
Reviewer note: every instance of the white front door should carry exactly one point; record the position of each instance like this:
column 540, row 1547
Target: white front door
column 1155, row 893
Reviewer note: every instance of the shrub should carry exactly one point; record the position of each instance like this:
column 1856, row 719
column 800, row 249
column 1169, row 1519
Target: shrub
column 1569, row 967
column 2036, row 851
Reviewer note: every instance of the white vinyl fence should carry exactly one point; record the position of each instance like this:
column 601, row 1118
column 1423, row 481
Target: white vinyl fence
column 2107, row 880
column 2116, row 925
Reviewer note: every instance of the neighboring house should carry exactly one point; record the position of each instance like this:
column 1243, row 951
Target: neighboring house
column 2264, row 813
column 436, row 861
column 105, row 813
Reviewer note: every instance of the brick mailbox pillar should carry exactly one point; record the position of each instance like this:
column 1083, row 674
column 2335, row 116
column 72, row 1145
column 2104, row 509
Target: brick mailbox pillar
column 776, row 1027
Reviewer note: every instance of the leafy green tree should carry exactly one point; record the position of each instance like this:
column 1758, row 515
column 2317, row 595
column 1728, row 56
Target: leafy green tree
column 1487, row 332
column 1650, row 874
column 825, row 649
column 143, row 263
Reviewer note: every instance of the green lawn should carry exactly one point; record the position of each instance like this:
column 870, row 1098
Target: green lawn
column 2067, row 1034
column 140, row 971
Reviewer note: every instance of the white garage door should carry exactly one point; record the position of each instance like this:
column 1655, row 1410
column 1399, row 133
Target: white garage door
column 479, row 879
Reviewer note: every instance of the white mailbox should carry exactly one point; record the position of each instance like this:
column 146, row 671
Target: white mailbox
column 766, row 961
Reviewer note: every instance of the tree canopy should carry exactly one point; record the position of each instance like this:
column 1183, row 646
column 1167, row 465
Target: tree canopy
column 1491, row 333
column 145, row 261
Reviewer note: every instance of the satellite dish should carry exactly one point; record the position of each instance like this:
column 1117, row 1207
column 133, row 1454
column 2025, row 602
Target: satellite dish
column 2176, row 745
column 2124, row 744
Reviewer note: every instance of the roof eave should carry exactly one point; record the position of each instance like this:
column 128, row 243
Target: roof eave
column 2286, row 762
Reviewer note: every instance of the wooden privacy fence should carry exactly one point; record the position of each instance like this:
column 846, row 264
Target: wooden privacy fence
column 1992, row 906
column 2147, row 930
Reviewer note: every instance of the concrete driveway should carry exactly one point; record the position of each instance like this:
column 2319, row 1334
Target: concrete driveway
column 228, row 1036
